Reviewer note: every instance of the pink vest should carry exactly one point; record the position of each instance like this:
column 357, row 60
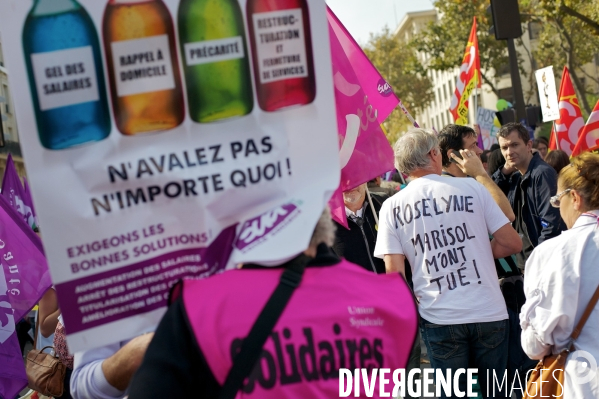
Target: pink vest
column 341, row 316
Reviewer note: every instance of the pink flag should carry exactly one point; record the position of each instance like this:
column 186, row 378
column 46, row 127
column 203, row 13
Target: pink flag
column 14, row 193
column 364, row 100
column 24, row 278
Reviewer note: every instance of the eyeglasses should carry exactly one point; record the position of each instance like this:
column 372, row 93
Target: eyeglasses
column 554, row 201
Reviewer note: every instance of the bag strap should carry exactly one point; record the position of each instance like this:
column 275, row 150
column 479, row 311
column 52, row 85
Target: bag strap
column 37, row 325
column 585, row 315
column 244, row 361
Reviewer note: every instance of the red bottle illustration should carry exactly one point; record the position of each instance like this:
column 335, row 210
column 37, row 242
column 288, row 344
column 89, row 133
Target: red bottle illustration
column 281, row 52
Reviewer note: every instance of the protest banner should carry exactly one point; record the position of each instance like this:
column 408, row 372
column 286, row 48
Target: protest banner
column 364, row 100
column 547, row 93
column 488, row 131
column 24, row 278
column 161, row 144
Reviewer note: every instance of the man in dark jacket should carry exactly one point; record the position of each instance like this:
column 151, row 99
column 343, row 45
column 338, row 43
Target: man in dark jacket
column 357, row 244
column 529, row 183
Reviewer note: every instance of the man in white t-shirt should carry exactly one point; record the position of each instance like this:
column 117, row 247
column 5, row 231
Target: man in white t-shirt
column 442, row 227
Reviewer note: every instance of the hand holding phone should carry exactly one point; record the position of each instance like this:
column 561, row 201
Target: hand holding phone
column 457, row 154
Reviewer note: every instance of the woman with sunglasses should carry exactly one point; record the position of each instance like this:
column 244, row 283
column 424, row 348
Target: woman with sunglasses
column 562, row 274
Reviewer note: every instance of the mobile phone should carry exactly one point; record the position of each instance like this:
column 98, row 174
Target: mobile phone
column 457, row 154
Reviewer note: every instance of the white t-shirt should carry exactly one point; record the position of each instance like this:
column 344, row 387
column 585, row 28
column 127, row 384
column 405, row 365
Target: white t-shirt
column 442, row 226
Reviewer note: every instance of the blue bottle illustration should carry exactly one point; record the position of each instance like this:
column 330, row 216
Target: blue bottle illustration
column 64, row 65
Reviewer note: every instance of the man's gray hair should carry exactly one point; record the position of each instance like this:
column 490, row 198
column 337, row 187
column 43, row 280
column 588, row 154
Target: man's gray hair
column 412, row 148
column 324, row 232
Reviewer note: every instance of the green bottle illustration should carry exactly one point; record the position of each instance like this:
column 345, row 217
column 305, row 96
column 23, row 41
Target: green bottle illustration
column 215, row 59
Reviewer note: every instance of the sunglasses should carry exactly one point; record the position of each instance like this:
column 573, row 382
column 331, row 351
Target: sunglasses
column 555, row 200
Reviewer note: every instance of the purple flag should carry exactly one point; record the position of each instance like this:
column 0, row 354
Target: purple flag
column 13, row 191
column 24, row 277
column 13, row 377
column 28, row 201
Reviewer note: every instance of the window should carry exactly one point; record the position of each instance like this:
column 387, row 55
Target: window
column 7, row 97
column 534, row 30
column 506, row 94
column 503, row 70
column 9, row 134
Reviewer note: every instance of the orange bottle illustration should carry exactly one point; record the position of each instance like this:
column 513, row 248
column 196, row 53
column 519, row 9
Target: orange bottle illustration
column 141, row 54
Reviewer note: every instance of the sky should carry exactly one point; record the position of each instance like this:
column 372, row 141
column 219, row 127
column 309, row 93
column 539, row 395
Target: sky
column 361, row 17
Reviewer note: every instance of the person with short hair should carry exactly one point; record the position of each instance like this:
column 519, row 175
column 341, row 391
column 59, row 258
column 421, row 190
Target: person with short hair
column 557, row 159
column 356, row 243
column 495, row 161
column 454, row 138
column 528, row 183
column 542, row 146
column 561, row 278
column 442, row 227
column 484, row 158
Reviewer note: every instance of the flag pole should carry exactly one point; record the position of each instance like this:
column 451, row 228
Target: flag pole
column 407, row 113
column 556, row 136
column 376, row 218
column 401, row 178
column 476, row 98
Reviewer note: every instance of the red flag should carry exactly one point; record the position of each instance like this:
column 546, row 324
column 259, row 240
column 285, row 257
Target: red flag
column 469, row 77
column 589, row 137
column 570, row 123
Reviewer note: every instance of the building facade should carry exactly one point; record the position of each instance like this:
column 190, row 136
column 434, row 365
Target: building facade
column 8, row 122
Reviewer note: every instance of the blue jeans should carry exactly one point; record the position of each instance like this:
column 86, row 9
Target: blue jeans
column 474, row 345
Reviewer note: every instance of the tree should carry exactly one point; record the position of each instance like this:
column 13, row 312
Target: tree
column 586, row 11
column 446, row 39
column 399, row 65
column 568, row 36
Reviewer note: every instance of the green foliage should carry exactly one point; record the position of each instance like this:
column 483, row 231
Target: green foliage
column 569, row 36
column 399, row 65
column 446, row 39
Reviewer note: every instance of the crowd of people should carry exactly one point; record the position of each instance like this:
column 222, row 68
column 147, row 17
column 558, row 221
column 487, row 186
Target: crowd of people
column 488, row 257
